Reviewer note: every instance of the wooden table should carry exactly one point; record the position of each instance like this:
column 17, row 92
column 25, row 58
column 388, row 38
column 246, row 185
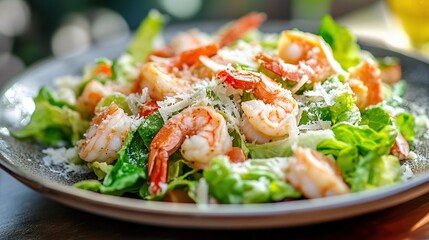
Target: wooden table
column 26, row 214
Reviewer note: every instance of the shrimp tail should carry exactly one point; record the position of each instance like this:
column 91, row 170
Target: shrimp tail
column 168, row 140
column 239, row 79
column 157, row 170
column 240, row 27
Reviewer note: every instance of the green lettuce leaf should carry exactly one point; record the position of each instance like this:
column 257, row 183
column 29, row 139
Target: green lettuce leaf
column 345, row 109
column 331, row 101
column 283, row 148
column 129, row 171
column 90, row 185
column 342, row 41
column 376, row 118
column 257, row 181
column 101, row 169
column 407, row 124
column 117, row 98
column 361, row 152
column 143, row 40
column 150, row 127
column 394, row 94
column 53, row 122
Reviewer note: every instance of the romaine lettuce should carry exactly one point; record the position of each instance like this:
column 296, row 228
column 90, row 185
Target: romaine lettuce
column 342, row 41
column 254, row 181
column 361, row 152
column 129, row 171
column 52, row 121
column 283, row 148
column 143, row 41
column 331, row 101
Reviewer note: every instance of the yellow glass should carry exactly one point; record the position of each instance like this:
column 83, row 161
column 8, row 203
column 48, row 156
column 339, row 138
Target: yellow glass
column 414, row 18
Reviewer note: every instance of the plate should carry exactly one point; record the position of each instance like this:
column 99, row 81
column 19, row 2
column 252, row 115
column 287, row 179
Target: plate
column 24, row 159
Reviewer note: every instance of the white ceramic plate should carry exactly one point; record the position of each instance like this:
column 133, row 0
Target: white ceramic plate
column 23, row 159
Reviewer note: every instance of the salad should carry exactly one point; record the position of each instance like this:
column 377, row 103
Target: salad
column 236, row 116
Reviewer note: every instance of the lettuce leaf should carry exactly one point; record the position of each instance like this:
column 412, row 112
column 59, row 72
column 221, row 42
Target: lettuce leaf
column 143, row 40
column 53, row 122
column 376, row 118
column 332, row 101
column 150, row 127
column 361, row 152
column 117, row 98
column 395, row 93
column 256, row 181
column 283, row 148
column 407, row 124
column 101, row 169
column 129, row 171
column 342, row 41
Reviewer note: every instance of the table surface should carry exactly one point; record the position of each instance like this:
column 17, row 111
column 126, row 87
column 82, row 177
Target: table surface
column 26, row 214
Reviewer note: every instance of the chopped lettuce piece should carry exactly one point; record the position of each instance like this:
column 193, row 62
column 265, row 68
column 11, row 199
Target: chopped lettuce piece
column 124, row 69
column 145, row 35
column 129, row 171
column 91, row 185
column 395, row 94
column 238, row 141
column 53, row 122
column 376, row 118
column 117, row 98
column 101, row 169
column 407, row 125
column 345, row 109
column 342, row 41
column 254, row 181
column 331, row 100
column 150, row 127
column 358, row 151
column 283, row 148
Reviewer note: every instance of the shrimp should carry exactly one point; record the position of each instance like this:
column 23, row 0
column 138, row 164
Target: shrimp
column 105, row 136
column 199, row 131
column 94, row 92
column 315, row 175
column 240, row 27
column 191, row 57
column 194, row 43
column 160, row 81
column 400, row 148
column 365, row 82
column 271, row 118
column 189, row 40
column 160, row 78
column 301, row 54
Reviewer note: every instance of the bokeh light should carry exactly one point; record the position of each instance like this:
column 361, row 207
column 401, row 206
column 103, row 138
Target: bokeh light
column 182, row 8
column 70, row 39
column 14, row 17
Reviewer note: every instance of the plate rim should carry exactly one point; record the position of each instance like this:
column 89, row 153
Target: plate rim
column 416, row 186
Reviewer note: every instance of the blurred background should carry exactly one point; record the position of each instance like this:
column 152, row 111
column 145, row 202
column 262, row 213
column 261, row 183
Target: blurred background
column 31, row 30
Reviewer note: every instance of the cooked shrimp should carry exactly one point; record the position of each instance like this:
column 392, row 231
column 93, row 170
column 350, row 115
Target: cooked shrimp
column 240, row 27
column 400, row 148
column 270, row 118
column 365, row 82
column 190, row 57
column 302, row 54
column 315, row 175
column 105, row 136
column 160, row 81
column 201, row 133
column 93, row 92
column 189, row 40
